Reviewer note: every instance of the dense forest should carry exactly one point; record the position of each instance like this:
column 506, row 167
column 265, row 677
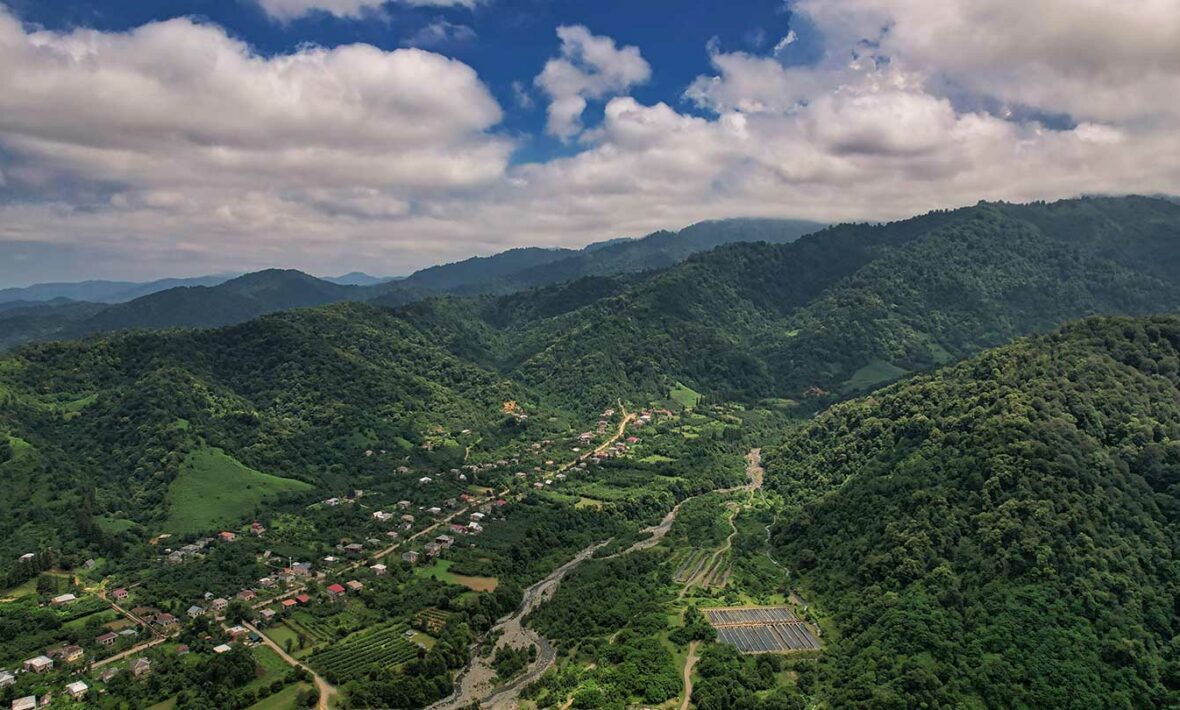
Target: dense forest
column 1002, row 533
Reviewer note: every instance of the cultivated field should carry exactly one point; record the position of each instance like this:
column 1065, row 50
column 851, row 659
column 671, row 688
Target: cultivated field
column 382, row 647
column 762, row 629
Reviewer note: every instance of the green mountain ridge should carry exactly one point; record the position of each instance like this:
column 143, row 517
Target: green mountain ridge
column 1002, row 533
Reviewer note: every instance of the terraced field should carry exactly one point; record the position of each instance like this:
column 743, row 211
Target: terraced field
column 382, row 647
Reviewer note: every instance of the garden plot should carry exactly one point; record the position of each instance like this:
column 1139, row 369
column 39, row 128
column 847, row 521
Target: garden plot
column 762, row 629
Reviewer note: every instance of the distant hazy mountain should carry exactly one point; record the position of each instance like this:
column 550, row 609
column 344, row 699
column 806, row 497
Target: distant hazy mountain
column 482, row 272
column 232, row 302
column 519, row 269
column 103, row 291
column 356, row 278
column 215, row 301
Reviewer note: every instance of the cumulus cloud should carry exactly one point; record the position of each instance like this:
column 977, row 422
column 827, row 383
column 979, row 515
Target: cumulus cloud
column 590, row 67
column 178, row 145
column 285, row 10
column 440, row 33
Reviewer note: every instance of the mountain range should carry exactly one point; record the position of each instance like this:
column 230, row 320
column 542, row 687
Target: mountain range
column 218, row 301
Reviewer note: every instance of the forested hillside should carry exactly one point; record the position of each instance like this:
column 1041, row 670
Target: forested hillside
column 1002, row 533
column 849, row 308
column 104, row 425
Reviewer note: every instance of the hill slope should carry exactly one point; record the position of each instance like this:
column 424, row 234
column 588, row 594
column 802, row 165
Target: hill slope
column 855, row 305
column 1002, row 533
column 105, row 425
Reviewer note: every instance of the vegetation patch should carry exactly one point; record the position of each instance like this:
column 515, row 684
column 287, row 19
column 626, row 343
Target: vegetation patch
column 441, row 570
column 214, row 490
column 685, row 396
column 872, row 374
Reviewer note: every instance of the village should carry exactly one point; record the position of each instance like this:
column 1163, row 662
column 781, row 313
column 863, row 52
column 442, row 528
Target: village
column 289, row 618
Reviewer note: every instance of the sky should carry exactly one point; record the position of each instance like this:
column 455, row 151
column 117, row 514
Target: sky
column 140, row 140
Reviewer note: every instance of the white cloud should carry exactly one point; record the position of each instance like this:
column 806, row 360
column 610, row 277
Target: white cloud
column 176, row 146
column 590, row 67
column 285, row 10
column 440, row 33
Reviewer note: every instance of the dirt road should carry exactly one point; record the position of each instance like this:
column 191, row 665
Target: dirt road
column 327, row 690
column 689, row 663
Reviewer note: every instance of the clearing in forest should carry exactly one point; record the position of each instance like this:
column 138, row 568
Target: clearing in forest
column 441, row 570
column 213, row 489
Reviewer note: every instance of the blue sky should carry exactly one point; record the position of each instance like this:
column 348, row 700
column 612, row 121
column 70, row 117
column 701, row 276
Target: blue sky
column 510, row 40
column 149, row 138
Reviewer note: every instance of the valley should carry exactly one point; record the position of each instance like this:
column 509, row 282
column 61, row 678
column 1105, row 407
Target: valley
column 771, row 476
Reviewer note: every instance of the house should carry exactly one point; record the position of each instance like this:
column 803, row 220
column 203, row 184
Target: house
column 72, row 654
column 247, row 595
column 404, row 504
column 301, row 569
column 335, row 591
column 237, row 632
column 221, row 648
column 63, row 599
column 182, row 650
column 354, row 548
column 432, row 549
column 267, row 582
column 29, row 702
column 77, row 689
column 167, row 620
column 303, row 599
column 392, row 535
column 378, row 569
column 332, row 502
column 141, row 667
column 425, row 480
column 7, row 679
column 445, row 540
column 227, row 536
column 407, row 518
column 354, row 586
column 175, row 558
column 120, row 594
column 256, row 528
column 108, row 674
column 560, row 476
column 39, row 664
column 219, row 604
column 28, row 557
column 267, row 615
column 477, row 517
column 194, row 611
column 107, row 639
column 289, row 603
column 330, row 560
column 410, row 556
column 475, row 527
column 435, row 510
column 458, row 529
column 382, row 517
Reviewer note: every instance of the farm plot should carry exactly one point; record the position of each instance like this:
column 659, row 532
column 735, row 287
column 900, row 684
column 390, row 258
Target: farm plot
column 431, row 620
column 690, row 565
column 356, row 655
column 762, row 629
